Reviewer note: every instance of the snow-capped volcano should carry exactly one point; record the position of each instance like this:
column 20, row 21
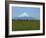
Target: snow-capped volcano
column 23, row 15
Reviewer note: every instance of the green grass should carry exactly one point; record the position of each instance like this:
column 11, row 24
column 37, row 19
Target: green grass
column 19, row 25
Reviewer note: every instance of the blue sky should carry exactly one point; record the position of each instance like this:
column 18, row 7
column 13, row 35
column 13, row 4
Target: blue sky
column 32, row 12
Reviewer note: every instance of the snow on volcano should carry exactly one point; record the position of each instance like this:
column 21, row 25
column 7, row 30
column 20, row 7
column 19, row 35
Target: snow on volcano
column 23, row 16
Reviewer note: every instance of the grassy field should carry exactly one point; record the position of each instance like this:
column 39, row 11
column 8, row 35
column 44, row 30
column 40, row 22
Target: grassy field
column 19, row 25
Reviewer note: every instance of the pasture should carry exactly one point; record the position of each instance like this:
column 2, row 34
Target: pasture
column 21, row 25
